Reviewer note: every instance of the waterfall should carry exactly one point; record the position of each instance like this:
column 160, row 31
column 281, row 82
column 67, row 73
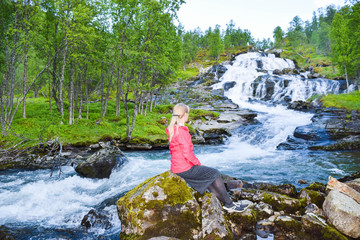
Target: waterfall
column 254, row 78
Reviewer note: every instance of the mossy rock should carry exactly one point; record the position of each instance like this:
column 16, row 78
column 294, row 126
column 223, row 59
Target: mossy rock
column 284, row 189
column 284, row 203
column 311, row 196
column 244, row 222
column 278, row 201
column 341, row 146
column 287, row 227
column 161, row 206
column 317, row 228
column 316, row 186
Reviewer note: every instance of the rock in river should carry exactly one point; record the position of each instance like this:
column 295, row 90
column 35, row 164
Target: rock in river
column 101, row 163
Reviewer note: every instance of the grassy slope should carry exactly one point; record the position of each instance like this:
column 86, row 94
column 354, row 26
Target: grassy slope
column 42, row 124
column 346, row 101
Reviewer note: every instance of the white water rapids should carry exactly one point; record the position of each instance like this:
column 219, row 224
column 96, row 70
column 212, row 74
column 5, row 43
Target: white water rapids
column 45, row 207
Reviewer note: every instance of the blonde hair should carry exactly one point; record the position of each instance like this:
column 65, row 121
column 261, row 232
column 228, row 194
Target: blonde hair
column 179, row 111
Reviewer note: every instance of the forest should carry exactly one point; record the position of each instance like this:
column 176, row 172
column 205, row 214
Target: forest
column 79, row 53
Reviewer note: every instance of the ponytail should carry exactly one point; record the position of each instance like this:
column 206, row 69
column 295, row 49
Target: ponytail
column 178, row 112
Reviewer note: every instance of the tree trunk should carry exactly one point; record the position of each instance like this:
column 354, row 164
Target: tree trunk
column 71, row 94
column 25, row 58
column 86, row 93
column 10, row 102
column 24, row 84
column 140, row 102
column 2, row 102
column 49, row 79
column 101, row 90
column 62, row 79
column 55, row 84
column 151, row 100
column 147, row 104
column 81, row 93
column 118, row 92
column 125, row 100
column 108, row 92
column 347, row 80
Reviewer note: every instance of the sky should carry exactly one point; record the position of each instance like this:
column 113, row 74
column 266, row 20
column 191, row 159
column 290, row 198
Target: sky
column 261, row 17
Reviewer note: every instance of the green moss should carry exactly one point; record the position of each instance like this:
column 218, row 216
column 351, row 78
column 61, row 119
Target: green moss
column 316, row 186
column 291, row 225
column 284, row 203
column 342, row 146
column 123, row 236
column 316, row 197
column 330, row 233
column 175, row 225
column 245, row 220
column 349, row 101
column 285, row 189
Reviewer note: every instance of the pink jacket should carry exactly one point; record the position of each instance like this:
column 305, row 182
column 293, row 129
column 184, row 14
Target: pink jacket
column 181, row 150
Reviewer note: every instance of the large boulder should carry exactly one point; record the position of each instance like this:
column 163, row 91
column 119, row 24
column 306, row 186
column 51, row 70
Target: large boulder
column 161, row 206
column 343, row 212
column 101, row 163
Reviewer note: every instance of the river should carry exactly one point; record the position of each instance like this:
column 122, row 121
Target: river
column 34, row 205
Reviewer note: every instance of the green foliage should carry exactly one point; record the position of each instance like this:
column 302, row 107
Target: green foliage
column 216, row 44
column 278, row 36
column 339, row 36
column 236, row 37
column 349, row 101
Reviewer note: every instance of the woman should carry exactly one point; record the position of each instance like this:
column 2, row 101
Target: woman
column 186, row 165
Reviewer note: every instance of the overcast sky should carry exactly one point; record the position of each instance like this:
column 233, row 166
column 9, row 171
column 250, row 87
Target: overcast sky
column 261, row 17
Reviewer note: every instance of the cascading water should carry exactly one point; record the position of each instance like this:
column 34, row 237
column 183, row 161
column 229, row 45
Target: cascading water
column 36, row 206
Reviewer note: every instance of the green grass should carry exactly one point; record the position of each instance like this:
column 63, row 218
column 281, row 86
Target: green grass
column 349, row 101
column 42, row 124
column 322, row 64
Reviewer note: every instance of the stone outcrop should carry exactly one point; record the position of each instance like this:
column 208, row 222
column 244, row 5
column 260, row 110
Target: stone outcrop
column 101, row 163
column 331, row 130
column 342, row 208
column 215, row 131
column 164, row 207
